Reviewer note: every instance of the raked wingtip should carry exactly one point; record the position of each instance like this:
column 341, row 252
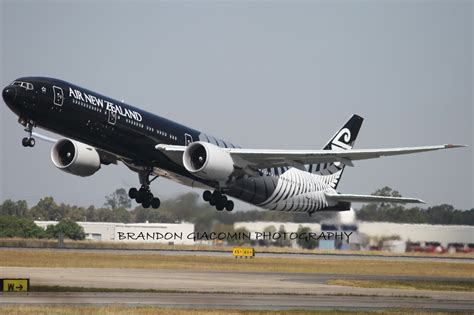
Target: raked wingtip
column 451, row 146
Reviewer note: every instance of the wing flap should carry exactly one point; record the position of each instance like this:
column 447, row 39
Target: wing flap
column 370, row 198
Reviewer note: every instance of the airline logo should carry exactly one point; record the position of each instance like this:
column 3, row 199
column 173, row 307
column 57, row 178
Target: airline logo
column 109, row 106
column 342, row 139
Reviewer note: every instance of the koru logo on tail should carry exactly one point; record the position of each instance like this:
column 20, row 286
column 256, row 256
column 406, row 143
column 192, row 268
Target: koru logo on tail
column 342, row 139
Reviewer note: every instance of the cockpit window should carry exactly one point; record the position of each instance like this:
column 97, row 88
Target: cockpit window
column 25, row 85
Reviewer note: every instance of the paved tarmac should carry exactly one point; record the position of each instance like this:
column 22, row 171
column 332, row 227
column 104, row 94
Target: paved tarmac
column 238, row 301
column 232, row 290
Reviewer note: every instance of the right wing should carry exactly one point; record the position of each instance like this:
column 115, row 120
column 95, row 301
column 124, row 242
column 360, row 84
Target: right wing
column 261, row 158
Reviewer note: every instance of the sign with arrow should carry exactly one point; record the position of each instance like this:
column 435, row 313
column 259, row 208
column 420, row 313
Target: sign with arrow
column 15, row 285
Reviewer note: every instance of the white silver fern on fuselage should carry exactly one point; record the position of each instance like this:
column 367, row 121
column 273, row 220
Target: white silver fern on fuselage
column 301, row 191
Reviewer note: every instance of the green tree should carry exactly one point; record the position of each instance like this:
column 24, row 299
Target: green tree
column 11, row 226
column 282, row 241
column 75, row 213
column 9, row 207
column 307, row 243
column 441, row 214
column 387, row 192
column 118, row 199
column 241, row 240
column 268, row 233
column 122, row 215
column 46, row 209
column 68, row 228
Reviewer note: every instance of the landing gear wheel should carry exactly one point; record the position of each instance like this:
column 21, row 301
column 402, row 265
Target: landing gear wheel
column 207, row 195
column 133, row 193
column 142, row 194
column 149, row 197
column 212, row 201
column 155, row 203
column 218, row 200
column 223, row 200
column 29, row 125
column 229, row 205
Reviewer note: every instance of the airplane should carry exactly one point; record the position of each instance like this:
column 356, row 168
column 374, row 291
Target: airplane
column 99, row 130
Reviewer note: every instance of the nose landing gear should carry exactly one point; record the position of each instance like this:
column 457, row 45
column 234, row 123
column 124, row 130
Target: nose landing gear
column 144, row 194
column 28, row 141
column 218, row 200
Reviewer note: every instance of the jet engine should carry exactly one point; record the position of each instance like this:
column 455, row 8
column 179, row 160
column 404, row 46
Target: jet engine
column 75, row 157
column 208, row 161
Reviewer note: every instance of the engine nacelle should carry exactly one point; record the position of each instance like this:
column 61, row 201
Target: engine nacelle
column 208, row 161
column 75, row 157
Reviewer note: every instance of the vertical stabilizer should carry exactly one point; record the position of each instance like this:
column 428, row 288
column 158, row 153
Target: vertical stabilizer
column 343, row 140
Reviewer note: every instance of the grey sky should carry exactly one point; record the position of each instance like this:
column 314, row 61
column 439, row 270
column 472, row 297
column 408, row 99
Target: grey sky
column 261, row 74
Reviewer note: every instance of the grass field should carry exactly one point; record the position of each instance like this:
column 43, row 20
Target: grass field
column 109, row 310
column 407, row 284
column 86, row 244
column 51, row 259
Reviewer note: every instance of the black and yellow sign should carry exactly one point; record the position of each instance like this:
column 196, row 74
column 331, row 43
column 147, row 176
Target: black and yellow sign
column 243, row 252
column 15, row 285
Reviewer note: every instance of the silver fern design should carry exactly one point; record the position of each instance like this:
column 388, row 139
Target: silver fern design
column 298, row 190
column 301, row 191
column 292, row 189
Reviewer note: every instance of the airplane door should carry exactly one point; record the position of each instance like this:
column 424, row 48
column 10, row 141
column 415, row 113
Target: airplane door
column 58, row 96
column 112, row 117
column 188, row 139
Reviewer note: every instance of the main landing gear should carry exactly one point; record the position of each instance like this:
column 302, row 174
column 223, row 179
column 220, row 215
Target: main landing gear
column 29, row 141
column 144, row 194
column 218, row 200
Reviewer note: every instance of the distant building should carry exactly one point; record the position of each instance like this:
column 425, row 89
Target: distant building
column 363, row 232
column 162, row 233
column 443, row 234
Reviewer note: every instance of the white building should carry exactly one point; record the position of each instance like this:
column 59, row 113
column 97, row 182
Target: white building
column 163, row 233
column 444, row 234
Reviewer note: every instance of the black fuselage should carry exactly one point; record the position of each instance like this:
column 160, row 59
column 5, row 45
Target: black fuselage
column 102, row 122
column 131, row 135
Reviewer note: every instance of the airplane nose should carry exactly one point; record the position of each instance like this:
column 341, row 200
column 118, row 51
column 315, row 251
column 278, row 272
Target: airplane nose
column 9, row 94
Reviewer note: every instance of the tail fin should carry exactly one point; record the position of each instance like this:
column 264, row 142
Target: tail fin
column 343, row 140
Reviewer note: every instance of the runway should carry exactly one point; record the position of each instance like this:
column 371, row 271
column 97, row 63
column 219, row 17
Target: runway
column 231, row 290
column 238, row 301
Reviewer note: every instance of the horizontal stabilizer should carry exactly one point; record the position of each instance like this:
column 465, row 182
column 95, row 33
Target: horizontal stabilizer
column 369, row 198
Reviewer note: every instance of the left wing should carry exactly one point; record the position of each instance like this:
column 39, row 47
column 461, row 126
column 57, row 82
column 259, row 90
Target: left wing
column 259, row 159
column 43, row 137
column 369, row 198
